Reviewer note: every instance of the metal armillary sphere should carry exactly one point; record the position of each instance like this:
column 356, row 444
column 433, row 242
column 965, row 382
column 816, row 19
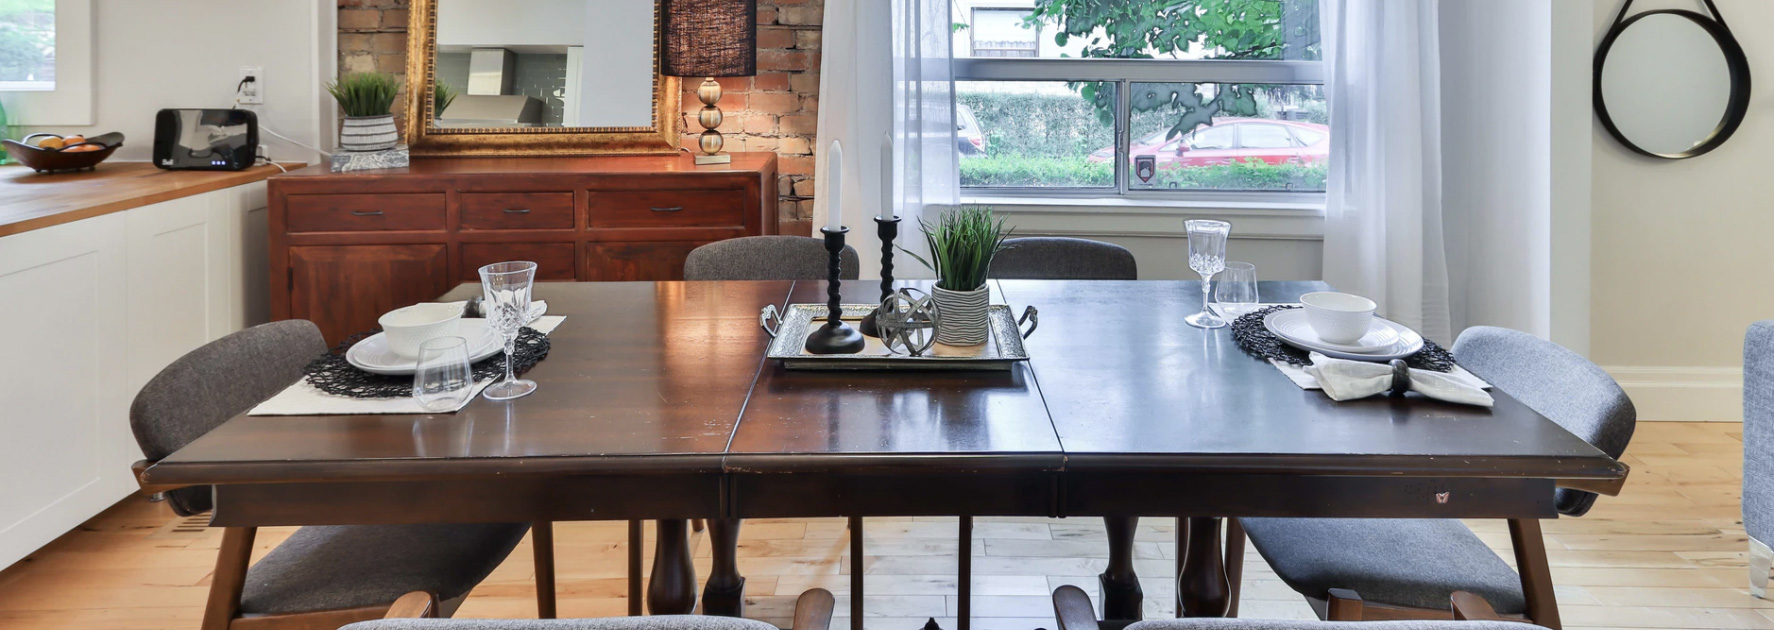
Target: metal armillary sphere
column 907, row 321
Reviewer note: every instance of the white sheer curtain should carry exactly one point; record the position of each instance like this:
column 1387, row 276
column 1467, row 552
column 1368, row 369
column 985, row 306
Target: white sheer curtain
column 878, row 82
column 1383, row 235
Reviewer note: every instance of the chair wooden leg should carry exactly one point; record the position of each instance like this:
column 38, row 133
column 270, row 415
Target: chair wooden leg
column 229, row 579
column 1343, row 605
column 414, row 605
column 635, row 538
column 1536, row 576
column 964, row 577
column 1234, row 563
column 542, row 544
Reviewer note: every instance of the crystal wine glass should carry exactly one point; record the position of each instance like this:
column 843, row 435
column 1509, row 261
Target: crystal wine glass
column 443, row 380
column 505, row 289
column 1207, row 256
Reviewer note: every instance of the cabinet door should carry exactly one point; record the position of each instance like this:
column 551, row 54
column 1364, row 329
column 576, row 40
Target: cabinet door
column 345, row 288
column 661, row 260
column 181, row 264
column 64, row 401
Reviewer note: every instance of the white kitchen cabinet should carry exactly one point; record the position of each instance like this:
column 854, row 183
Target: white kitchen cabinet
column 95, row 308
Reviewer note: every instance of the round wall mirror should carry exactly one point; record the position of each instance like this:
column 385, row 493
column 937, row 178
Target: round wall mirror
column 1671, row 84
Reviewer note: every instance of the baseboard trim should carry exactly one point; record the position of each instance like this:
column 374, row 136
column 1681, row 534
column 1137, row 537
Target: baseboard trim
column 1683, row 394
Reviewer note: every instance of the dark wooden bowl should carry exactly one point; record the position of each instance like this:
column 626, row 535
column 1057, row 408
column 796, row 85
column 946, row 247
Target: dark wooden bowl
column 53, row 160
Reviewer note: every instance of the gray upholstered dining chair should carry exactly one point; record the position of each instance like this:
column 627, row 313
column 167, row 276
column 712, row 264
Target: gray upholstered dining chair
column 320, row 576
column 767, row 258
column 1059, row 258
column 813, row 611
column 1407, row 568
column 1758, row 451
column 1071, row 608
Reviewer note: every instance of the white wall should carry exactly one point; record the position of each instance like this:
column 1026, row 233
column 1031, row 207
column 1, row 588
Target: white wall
column 501, row 23
column 1681, row 247
column 188, row 53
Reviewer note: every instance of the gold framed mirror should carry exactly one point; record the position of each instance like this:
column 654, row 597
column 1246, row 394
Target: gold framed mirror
column 538, row 78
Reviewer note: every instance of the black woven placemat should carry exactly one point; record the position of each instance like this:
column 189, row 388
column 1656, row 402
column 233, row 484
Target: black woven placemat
column 332, row 374
column 1255, row 340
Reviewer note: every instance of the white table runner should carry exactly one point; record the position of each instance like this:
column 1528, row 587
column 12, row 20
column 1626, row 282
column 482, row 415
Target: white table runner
column 303, row 399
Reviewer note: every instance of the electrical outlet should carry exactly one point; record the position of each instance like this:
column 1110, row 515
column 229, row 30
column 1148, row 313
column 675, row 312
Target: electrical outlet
column 251, row 88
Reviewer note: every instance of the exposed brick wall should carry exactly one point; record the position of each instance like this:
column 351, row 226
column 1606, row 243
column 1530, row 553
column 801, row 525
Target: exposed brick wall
column 777, row 110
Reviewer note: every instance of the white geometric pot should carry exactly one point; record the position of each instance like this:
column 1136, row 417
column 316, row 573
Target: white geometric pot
column 962, row 316
column 368, row 133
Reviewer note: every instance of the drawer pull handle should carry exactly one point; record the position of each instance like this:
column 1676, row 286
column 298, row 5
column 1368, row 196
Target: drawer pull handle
column 361, row 213
column 671, row 209
column 517, row 211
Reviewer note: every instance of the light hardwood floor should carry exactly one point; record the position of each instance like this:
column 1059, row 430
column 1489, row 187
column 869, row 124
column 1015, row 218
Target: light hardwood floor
column 1668, row 553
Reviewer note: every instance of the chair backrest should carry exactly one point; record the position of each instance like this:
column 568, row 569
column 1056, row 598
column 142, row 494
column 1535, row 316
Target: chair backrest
column 1057, row 258
column 215, row 382
column 1557, row 383
column 767, row 258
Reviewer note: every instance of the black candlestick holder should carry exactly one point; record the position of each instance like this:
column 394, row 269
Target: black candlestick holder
column 835, row 337
column 888, row 230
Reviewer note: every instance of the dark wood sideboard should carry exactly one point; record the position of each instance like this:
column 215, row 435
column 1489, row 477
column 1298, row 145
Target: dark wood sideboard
column 347, row 247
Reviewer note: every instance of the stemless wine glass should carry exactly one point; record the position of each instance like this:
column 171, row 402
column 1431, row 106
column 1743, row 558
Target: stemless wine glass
column 1236, row 291
column 505, row 289
column 444, row 380
column 1207, row 256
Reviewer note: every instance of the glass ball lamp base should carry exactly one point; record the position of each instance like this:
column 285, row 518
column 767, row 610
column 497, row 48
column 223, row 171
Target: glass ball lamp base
column 508, row 389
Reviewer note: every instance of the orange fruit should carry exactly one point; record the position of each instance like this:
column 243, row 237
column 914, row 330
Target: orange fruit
column 51, row 143
column 85, row 148
column 70, row 140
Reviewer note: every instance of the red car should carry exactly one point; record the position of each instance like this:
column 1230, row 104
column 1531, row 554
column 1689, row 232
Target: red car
column 1231, row 140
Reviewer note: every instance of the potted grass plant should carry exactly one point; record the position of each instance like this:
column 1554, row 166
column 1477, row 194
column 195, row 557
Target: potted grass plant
column 441, row 97
column 368, row 101
column 962, row 244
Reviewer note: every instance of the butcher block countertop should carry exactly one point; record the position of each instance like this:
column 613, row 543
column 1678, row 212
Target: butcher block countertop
column 32, row 201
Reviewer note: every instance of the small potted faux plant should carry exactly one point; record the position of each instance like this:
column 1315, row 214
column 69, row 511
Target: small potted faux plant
column 368, row 101
column 962, row 243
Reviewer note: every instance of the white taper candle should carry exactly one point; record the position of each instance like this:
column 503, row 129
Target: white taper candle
column 834, row 188
column 888, row 209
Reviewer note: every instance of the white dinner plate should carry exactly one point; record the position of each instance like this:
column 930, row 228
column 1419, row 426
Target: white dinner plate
column 372, row 354
column 1386, row 340
column 1380, row 336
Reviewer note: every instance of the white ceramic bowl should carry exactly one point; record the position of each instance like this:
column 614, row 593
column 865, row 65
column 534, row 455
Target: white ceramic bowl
column 1339, row 318
column 408, row 327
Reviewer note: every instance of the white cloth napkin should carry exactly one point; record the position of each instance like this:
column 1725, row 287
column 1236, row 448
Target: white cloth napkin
column 303, row 399
column 1350, row 380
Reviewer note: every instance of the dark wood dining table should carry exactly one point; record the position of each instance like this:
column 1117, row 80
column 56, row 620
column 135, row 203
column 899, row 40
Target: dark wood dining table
column 657, row 402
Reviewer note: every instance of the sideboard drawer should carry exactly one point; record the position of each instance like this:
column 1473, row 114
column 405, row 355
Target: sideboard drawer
column 554, row 261
column 517, row 211
column 666, row 208
column 367, row 212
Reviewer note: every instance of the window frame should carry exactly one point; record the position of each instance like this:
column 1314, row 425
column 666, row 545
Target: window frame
column 1123, row 73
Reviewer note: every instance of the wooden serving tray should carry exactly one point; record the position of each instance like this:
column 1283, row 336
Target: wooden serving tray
column 1003, row 347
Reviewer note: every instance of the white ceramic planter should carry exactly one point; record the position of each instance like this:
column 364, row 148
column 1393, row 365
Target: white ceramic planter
column 368, row 133
column 962, row 316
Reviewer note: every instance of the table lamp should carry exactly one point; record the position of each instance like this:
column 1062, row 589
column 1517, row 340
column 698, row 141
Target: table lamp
column 710, row 38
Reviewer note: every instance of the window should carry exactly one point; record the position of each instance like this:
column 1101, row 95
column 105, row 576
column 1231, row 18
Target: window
column 1003, row 33
column 27, row 45
column 1141, row 98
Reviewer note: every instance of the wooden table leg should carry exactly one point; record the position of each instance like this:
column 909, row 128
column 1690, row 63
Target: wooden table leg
column 964, row 580
column 856, row 567
column 542, row 546
column 635, row 538
column 1121, row 585
column 1202, row 589
column 229, row 580
column 724, row 594
column 672, row 588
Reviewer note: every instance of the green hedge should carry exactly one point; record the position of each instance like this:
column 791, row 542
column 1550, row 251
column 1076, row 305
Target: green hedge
column 1021, row 172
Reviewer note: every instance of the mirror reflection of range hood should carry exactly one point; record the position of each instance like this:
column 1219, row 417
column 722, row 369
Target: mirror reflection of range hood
column 489, row 101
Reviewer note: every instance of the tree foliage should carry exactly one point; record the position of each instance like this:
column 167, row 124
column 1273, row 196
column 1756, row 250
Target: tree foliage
column 1217, row 29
